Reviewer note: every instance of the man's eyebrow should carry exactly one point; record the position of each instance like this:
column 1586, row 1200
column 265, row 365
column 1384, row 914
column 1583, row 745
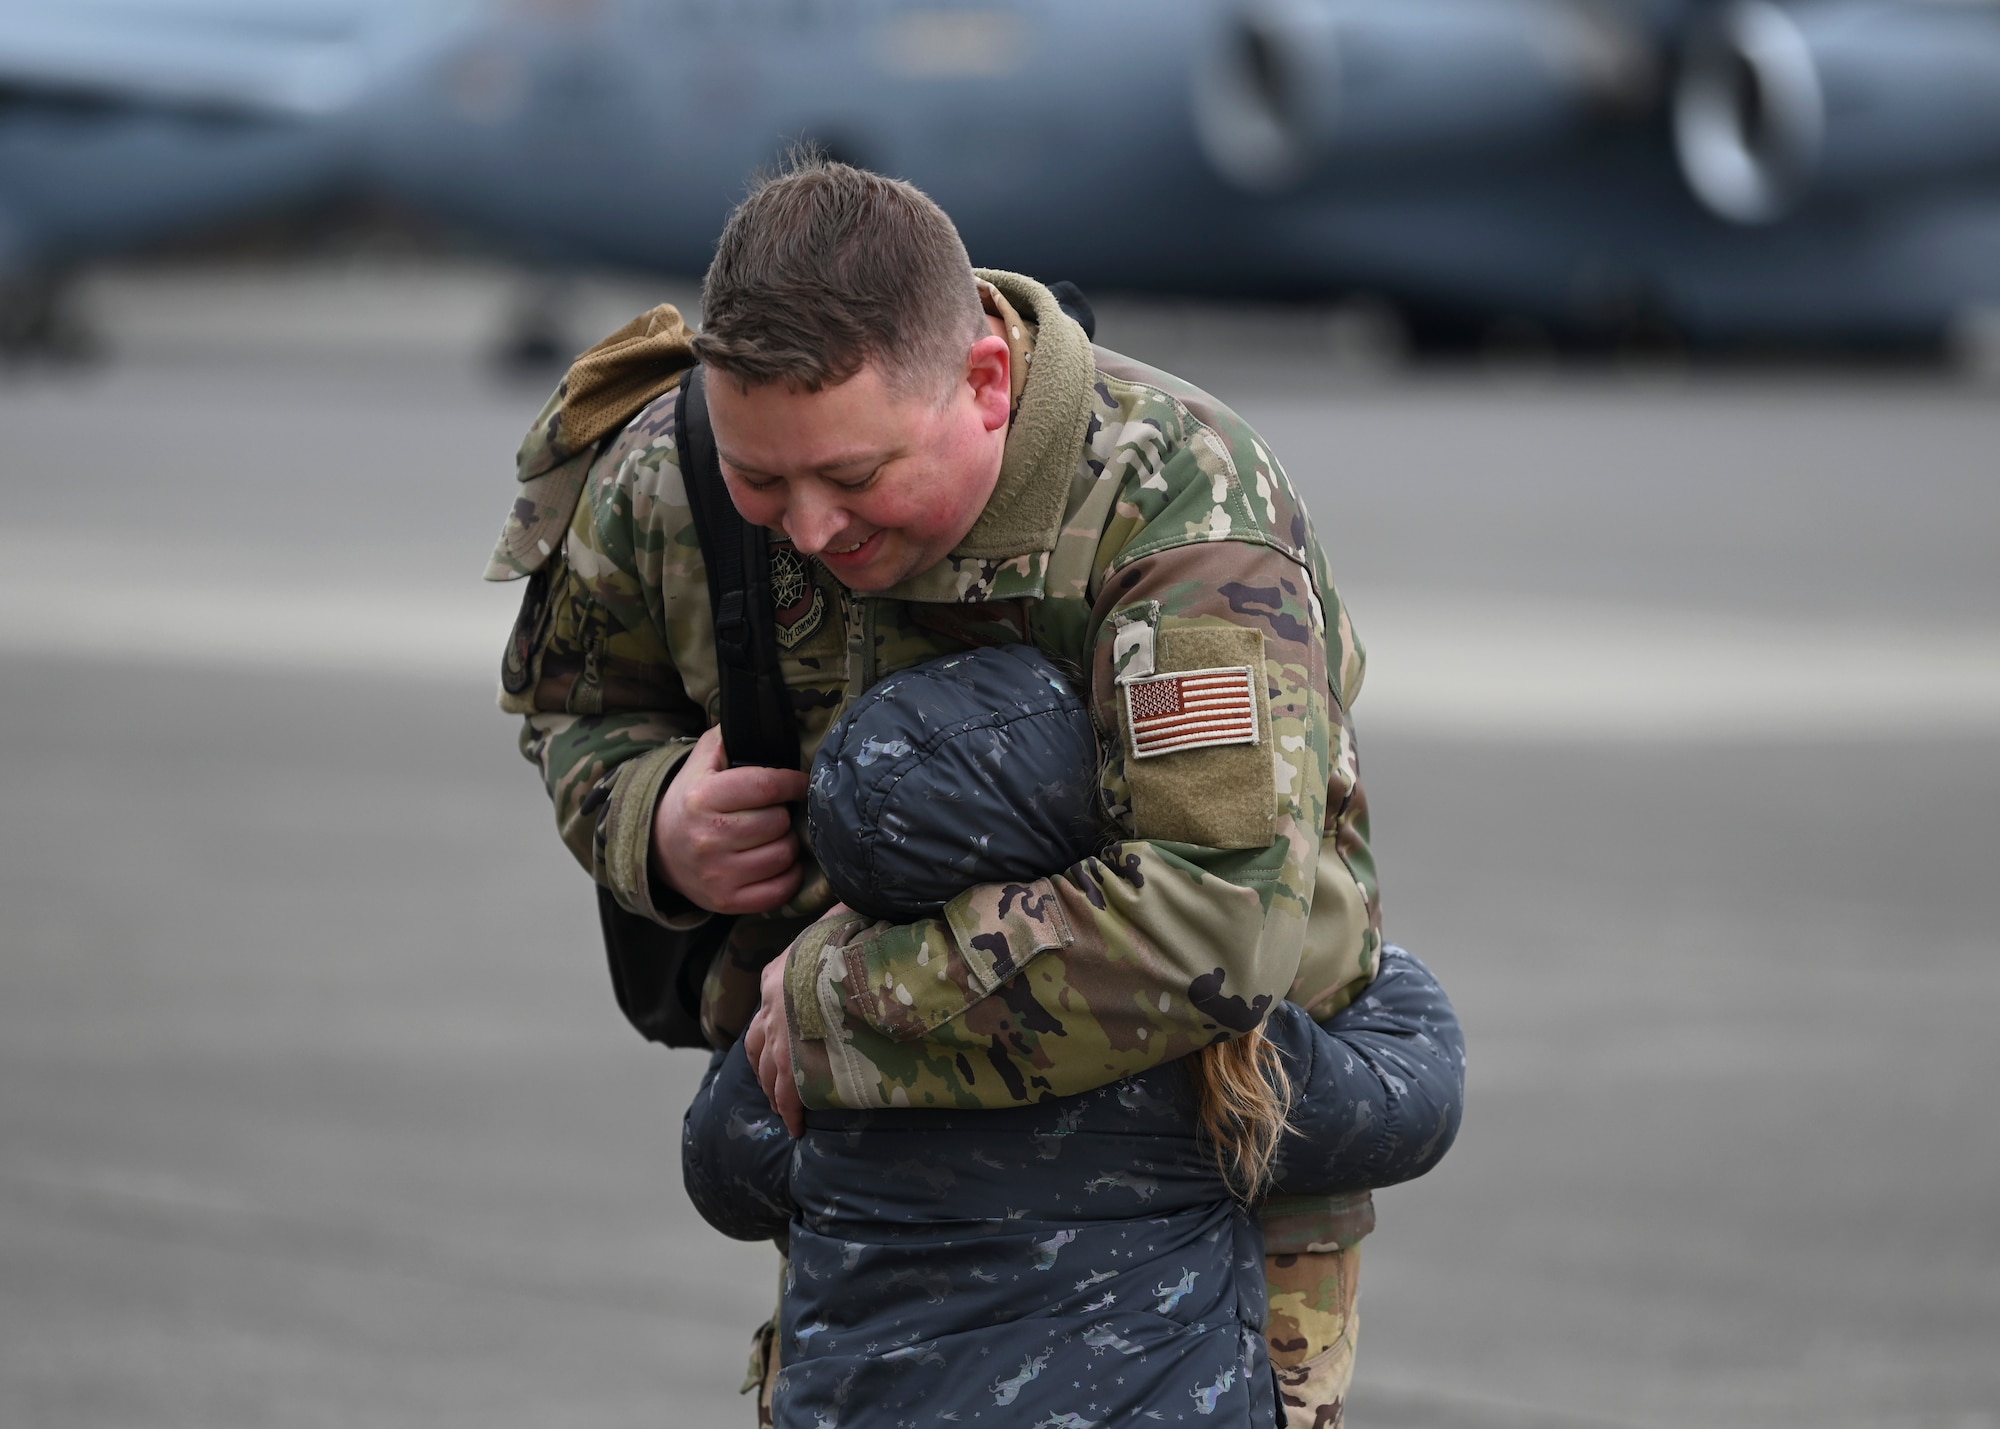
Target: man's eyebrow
column 870, row 457
column 734, row 465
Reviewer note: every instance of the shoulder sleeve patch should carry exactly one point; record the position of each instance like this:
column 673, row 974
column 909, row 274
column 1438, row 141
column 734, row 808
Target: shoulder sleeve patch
column 1197, row 737
column 517, row 666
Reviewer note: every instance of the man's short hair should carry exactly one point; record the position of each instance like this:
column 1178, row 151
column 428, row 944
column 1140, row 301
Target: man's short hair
column 826, row 267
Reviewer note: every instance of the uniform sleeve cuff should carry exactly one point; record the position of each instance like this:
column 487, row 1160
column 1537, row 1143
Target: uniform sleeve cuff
column 628, row 840
column 825, row 1065
column 806, row 1008
column 1308, row 1225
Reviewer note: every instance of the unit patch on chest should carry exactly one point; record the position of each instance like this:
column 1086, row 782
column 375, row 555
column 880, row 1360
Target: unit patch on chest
column 800, row 603
column 1191, row 709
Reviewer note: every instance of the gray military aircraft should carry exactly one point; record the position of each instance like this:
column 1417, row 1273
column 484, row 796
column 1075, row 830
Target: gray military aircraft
column 1727, row 172
column 125, row 122
column 1753, row 170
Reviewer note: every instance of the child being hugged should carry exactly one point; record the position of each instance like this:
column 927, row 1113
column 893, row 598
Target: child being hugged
column 1081, row 1260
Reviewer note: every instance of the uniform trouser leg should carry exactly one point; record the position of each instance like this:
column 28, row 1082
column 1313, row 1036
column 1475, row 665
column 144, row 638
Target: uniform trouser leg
column 764, row 1366
column 1311, row 1330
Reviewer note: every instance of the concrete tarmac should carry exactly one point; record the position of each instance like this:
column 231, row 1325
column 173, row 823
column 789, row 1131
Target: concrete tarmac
column 314, row 1107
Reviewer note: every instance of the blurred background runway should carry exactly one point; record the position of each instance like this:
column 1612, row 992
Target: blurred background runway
column 1682, row 732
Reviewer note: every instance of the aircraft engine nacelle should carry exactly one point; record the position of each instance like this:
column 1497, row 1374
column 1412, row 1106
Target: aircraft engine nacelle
column 1776, row 102
column 1288, row 88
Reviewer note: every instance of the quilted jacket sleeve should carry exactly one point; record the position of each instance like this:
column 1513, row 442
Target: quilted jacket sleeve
column 736, row 1156
column 1378, row 1091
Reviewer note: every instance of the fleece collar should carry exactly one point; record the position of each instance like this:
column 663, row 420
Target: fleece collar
column 1025, row 513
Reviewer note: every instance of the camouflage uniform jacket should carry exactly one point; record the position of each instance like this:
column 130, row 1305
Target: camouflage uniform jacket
column 1139, row 529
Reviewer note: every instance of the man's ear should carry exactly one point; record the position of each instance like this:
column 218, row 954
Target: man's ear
column 989, row 373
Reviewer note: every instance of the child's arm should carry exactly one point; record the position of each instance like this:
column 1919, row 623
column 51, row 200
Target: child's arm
column 1377, row 1092
column 736, row 1156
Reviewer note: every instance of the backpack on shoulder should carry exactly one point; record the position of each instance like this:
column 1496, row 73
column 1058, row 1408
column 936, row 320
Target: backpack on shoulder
column 656, row 972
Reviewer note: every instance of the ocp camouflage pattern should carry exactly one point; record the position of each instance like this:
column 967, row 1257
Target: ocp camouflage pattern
column 1311, row 1327
column 1173, row 513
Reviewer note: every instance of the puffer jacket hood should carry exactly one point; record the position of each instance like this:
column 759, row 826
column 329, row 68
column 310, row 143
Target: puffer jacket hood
column 972, row 768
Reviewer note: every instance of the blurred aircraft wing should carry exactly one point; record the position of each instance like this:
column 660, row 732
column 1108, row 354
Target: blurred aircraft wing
column 272, row 60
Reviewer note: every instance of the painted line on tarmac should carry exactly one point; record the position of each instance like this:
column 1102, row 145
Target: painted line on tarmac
column 421, row 634
column 1505, row 667
column 1456, row 667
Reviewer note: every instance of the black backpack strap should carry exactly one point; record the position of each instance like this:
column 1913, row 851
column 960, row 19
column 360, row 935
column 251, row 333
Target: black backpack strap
column 657, row 973
column 758, row 726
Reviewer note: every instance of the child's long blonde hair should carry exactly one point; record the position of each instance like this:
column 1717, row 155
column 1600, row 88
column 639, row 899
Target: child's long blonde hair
column 1244, row 1098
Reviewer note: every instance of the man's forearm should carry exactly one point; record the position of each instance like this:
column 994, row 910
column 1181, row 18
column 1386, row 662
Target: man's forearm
column 1024, row 991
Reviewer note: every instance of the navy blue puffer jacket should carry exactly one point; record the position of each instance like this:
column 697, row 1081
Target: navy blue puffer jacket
column 1074, row 1263
column 979, row 767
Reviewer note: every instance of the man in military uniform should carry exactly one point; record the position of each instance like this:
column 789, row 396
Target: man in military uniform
column 944, row 461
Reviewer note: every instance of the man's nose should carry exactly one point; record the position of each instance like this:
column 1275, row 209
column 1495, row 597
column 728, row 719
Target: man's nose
column 813, row 521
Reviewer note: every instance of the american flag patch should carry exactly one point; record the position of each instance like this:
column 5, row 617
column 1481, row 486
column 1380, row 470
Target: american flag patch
column 1191, row 709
